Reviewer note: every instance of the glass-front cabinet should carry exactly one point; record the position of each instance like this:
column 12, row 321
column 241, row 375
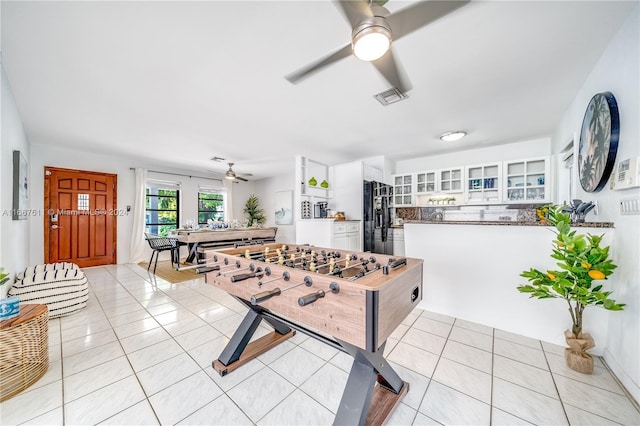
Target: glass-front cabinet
column 426, row 182
column 527, row 180
column 451, row 180
column 483, row 183
column 403, row 190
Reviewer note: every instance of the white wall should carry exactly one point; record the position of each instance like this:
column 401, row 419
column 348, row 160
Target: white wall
column 14, row 234
column 265, row 189
column 512, row 151
column 617, row 71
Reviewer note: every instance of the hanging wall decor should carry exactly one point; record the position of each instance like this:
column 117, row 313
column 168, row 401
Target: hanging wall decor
column 20, row 186
column 598, row 142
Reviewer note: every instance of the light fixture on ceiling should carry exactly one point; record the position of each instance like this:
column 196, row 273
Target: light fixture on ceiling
column 453, row 136
column 371, row 40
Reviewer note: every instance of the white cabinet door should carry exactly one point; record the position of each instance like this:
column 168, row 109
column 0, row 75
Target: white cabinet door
column 403, row 190
column 527, row 180
column 483, row 183
column 398, row 242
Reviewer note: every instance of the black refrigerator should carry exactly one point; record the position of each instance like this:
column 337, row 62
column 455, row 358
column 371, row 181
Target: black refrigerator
column 378, row 205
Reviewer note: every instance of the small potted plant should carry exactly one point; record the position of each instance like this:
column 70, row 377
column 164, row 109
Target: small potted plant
column 256, row 214
column 584, row 266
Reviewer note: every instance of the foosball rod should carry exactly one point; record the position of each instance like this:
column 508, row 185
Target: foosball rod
column 265, row 295
column 346, row 259
column 363, row 261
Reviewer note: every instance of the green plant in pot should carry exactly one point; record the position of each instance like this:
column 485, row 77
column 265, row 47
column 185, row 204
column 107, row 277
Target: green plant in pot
column 253, row 210
column 583, row 264
column 4, row 277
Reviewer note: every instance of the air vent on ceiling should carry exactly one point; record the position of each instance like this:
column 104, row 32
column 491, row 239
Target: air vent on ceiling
column 217, row 159
column 390, row 96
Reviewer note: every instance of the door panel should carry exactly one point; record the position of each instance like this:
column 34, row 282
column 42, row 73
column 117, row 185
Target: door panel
column 81, row 225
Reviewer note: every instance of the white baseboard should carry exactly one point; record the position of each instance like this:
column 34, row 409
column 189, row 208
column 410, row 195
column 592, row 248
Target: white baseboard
column 631, row 386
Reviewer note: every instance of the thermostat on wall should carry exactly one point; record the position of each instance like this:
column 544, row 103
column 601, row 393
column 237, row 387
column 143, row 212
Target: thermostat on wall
column 627, row 174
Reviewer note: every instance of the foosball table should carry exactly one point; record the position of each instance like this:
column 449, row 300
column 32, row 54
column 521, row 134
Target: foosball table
column 351, row 301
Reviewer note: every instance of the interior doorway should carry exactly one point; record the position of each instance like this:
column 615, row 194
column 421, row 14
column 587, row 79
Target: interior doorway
column 80, row 224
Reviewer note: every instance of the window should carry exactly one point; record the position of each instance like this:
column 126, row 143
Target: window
column 162, row 209
column 210, row 206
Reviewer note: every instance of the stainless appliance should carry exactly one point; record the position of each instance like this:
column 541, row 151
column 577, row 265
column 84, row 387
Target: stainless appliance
column 320, row 210
column 378, row 204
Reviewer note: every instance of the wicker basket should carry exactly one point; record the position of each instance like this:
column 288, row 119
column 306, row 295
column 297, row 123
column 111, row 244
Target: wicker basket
column 24, row 350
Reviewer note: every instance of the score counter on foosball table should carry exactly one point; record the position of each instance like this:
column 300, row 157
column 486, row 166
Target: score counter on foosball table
column 352, row 301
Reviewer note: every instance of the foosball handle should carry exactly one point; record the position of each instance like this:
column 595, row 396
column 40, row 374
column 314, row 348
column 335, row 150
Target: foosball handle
column 242, row 277
column 205, row 269
column 265, row 295
column 397, row 263
column 310, row 298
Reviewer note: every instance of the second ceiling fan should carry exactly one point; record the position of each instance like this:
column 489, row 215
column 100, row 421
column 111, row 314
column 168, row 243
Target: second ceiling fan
column 373, row 29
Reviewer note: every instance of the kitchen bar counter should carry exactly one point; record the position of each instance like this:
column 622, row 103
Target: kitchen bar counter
column 508, row 223
column 471, row 272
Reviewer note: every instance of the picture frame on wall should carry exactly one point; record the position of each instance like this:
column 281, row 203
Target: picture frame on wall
column 284, row 207
column 20, row 186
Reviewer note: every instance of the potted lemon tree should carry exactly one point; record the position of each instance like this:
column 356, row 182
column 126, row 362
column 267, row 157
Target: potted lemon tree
column 583, row 266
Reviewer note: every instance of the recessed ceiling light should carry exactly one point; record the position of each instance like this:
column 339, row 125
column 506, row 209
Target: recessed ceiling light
column 453, row 136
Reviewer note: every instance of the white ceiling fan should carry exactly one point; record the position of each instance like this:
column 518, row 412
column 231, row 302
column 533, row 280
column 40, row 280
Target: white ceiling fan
column 231, row 175
column 373, row 29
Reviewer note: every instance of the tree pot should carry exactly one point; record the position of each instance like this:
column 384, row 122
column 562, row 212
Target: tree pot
column 576, row 355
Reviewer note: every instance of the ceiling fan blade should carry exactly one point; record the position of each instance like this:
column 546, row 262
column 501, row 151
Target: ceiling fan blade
column 317, row 66
column 390, row 69
column 408, row 20
column 241, row 178
column 354, row 10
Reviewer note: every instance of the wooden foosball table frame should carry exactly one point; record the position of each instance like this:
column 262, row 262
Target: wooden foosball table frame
column 353, row 309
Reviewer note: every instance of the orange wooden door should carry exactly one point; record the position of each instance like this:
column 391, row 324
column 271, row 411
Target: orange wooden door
column 80, row 225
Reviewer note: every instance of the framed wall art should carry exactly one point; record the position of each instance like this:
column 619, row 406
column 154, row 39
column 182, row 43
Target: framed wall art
column 598, row 142
column 284, row 211
column 20, row 186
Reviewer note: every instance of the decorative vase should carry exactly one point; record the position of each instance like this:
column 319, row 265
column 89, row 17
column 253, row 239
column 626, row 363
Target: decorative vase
column 576, row 355
column 313, row 181
column 324, row 184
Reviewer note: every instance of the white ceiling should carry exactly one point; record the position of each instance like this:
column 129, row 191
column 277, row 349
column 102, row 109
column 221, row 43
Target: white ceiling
column 180, row 82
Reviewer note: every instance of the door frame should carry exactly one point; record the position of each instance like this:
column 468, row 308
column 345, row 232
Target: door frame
column 114, row 208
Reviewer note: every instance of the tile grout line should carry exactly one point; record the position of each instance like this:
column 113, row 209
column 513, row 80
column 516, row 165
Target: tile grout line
column 555, row 385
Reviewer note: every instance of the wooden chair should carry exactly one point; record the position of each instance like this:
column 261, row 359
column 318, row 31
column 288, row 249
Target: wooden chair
column 159, row 244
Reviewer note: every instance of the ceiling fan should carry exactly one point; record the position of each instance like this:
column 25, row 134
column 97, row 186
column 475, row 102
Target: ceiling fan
column 372, row 30
column 230, row 174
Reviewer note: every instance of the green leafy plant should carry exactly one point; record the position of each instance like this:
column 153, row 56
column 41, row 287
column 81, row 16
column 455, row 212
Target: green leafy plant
column 583, row 265
column 4, row 277
column 252, row 208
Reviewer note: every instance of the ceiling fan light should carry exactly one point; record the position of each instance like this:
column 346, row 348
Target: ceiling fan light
column 229, row 176
column 371, row 43
column 453, row 136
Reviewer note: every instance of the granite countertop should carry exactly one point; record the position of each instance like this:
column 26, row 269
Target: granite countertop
column 509, row 223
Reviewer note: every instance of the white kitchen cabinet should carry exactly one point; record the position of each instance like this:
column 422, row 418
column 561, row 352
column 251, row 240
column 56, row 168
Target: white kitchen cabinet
column 341, row 235
column 426, row 182
column 483, row 183
column 526, row 180
column 451, row 179
column 403, row 190
column 398, row 241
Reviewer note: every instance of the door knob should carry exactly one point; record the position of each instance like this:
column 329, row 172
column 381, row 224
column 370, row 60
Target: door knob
column 55, row 227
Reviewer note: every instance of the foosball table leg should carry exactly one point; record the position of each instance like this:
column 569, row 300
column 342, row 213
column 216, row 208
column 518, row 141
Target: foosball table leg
column 239, row 351
column 373, row 389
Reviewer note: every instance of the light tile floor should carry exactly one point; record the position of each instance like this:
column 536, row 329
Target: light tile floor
column 141, row 353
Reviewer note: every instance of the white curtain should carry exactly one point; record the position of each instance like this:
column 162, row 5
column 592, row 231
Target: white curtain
column 138, row 244
column 228, row 199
